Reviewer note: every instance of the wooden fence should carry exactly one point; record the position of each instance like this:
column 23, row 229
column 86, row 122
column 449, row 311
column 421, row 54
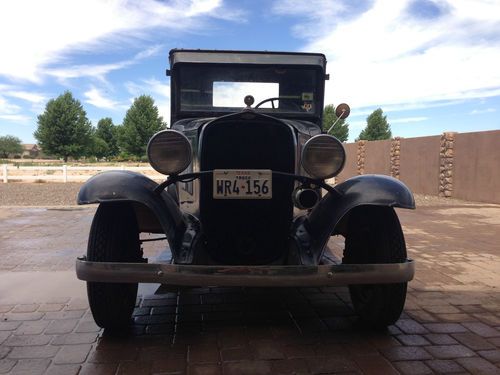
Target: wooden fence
column 66, row 173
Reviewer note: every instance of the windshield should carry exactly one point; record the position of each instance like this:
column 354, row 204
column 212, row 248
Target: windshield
column 208, row 88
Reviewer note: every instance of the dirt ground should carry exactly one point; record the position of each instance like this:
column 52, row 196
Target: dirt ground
column 451, row 321
column 38, row 194
column 64, row 194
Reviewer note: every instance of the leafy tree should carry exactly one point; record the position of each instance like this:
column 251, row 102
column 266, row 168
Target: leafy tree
column 106, row 131
column 140, row 123
column 63, row 129
column 99, row 148
column 341, row 128
column 10, row 145
column 377, row 127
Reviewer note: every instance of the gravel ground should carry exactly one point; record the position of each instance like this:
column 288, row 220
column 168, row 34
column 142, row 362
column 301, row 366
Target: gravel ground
column 39, row 194
column 64, row 194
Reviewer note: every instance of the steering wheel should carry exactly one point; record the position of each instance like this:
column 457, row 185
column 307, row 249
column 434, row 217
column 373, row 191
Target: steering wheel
column 272, row 100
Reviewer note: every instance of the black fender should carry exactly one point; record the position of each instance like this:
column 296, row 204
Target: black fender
column 316, row 228
column 127, row 186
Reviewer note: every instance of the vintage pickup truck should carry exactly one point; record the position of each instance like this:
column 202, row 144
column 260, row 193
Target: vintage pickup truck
column 245, row 202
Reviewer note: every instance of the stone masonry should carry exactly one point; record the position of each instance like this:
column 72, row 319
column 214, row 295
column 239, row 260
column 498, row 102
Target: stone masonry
column 361, row 156
column 395, row 156
column 446, row 165
column 446, row 155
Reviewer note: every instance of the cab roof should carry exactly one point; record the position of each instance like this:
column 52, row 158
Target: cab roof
column 194, row 56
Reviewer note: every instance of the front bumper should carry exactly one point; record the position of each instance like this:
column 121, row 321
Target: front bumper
column 271, row 276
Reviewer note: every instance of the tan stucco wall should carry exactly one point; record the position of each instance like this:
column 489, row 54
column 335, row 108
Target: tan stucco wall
column 419, row 164
column 476, row 174
column 378, row 157
column 350, row 167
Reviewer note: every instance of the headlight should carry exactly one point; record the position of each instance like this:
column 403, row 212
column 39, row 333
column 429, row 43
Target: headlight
column 169, row 152
column 323, row 156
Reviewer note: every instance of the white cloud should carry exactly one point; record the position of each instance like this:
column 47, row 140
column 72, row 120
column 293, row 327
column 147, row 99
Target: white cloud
column 99, row 71
column 158, row 90
column 32, row 97
column 95, row 97
column 151, row 51
column 12, row 112
column 316, row 15
column 480, row 111
column 405, row 120
column 15, row 118
column 7, row 108
column 35, row 35
column 386, row 56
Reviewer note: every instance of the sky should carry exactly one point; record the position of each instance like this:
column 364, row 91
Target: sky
column 431, row 65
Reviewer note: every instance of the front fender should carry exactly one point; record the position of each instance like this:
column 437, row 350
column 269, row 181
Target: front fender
column 127, row 186
column 375, row 190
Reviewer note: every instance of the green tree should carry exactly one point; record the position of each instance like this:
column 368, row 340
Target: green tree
column 341, row 128
column 64, row 129
column 140, row 123
column 10, row 145
column 99, row 148
column 377, row 127
column 106, row 131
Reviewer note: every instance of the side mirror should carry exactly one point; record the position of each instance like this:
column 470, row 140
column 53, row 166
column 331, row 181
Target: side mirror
column 342, row 111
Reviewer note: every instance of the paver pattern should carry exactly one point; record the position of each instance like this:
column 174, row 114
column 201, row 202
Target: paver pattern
column 451, row 322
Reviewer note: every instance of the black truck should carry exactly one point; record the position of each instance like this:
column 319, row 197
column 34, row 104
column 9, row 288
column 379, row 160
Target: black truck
column 246, row 201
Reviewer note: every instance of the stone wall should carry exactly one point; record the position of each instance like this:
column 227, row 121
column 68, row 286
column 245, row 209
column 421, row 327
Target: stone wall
column 446, row 165
column 395, row 156
column 434, row 165
column 361, row 157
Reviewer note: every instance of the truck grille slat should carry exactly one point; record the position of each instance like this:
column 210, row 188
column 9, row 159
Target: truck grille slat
column 247, row 231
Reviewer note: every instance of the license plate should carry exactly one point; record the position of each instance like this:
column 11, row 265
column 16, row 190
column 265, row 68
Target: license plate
column 243, row 184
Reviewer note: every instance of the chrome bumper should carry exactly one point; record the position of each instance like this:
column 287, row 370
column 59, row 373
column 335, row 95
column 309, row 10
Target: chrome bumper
column 197, row 275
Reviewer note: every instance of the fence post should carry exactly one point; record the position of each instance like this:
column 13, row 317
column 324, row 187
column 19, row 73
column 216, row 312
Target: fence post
column 5, row 176
column 65, row 173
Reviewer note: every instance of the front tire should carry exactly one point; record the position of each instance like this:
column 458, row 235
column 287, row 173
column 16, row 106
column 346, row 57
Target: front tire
column 114, row 237
column 374, row 235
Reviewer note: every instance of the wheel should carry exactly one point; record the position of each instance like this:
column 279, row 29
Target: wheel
column 374, row 235
column 114, row 237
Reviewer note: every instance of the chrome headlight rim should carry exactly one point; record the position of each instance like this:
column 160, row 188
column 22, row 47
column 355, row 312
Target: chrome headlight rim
column 158, row 165
column 308, row 168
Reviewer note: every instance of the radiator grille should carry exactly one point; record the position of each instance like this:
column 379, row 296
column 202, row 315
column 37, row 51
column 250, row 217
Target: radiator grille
column 247, row 231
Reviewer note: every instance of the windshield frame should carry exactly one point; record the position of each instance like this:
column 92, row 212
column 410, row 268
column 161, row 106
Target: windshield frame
column 177, row 113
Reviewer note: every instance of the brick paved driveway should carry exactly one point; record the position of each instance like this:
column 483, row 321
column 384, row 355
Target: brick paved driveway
column 451, row 322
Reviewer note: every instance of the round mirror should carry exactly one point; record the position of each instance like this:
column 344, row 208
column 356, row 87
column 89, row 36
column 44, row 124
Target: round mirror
column 342, row 111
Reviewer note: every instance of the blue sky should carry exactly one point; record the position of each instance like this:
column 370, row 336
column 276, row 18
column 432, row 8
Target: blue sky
column 431, row 65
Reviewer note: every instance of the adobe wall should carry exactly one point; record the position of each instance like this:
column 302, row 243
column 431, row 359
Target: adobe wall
column 351, row 165
column 419, row 164
column 378, row 157
column 459, row 165
column 476, row 174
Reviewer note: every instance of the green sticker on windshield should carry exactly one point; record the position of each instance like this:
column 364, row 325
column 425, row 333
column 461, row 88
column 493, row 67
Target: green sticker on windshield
column 307, row 96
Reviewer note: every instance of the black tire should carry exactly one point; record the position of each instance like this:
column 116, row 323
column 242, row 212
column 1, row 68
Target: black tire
column 114, row 237
column 374, row 235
